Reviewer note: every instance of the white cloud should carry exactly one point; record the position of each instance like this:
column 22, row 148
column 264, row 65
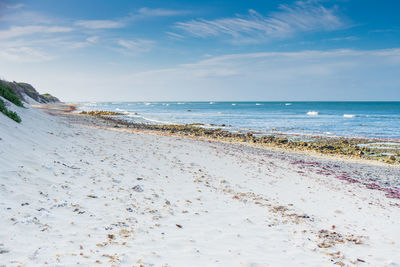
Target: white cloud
column 254, row 27
column 160, row 12
column 93, row 39
column 174, row 35
column 77, row 44
column 304, row 75
column 141, row 13
column 17, row 31
column 16, row 6
column 26, row 17
column 100, row 24
column 347, row 38
column 135, row 47
column 24, row 54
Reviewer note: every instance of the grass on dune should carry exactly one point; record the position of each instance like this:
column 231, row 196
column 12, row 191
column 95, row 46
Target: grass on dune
column 8, row 94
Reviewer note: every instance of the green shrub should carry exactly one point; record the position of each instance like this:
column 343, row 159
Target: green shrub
column 8, row 94
column 11, row 114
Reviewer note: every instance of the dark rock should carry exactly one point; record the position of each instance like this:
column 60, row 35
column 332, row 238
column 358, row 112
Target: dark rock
column 137, row 188
column 3, row 251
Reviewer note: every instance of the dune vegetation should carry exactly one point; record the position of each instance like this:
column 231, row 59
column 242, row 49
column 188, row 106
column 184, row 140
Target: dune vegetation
column 8, row 94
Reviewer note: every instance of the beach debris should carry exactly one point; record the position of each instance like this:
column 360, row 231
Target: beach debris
column 101, row 113
column 3, row 251
column 331, row 238
column 179, row 226
column 92, row 196
column 43, row 194
column 137, row 188
column 65, row 165
column 113, row 258
column 111, row 236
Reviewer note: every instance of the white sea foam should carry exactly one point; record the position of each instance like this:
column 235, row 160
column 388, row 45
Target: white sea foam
column 91, row 104
column 233, row 104
column 312, row 113
column 120, row 110
column 349, row 115
column 147, row 104
column 157, row 121
column 149, row 119
column 258, row 104
column 180, row 103
column 288, row 104
column 211, row 103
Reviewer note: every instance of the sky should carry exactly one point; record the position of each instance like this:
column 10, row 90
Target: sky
column 224, row 50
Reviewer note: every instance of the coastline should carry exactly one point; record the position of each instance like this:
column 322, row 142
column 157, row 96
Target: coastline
column 100, row 194
column 273, row 143
column 343, row 147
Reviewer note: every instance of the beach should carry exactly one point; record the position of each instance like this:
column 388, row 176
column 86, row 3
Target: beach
column 80, row 190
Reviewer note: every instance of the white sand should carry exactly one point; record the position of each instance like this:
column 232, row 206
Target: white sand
column 66, row 197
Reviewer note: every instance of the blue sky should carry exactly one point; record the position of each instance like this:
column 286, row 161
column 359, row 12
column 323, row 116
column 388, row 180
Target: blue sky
column 99, row 50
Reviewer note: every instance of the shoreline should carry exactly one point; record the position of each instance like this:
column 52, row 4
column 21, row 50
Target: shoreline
column 104, row 122
column 99, row 194
column 343, row 147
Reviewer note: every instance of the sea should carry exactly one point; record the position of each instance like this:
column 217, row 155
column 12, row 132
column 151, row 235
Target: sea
column 379, row 120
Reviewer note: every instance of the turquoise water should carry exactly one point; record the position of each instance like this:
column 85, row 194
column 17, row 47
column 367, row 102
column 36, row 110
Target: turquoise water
column 349, row 119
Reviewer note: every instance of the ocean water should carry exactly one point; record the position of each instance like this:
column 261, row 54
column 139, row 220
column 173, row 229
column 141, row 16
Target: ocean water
column 348, row 119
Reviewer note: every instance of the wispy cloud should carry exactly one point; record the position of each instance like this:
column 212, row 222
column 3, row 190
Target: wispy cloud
column 93, row 39
column 100, row 24
column 347, row 38
column 134, row 47
column 17, row 31
column 141, row 13
column 33, row 36
column 24, row 54
column 304, row 75
column 160, row 12
column 16, row 6
column 22, row 16
column 77, row 44
column 253, row 27
column 175, row 35
column 315, row 56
